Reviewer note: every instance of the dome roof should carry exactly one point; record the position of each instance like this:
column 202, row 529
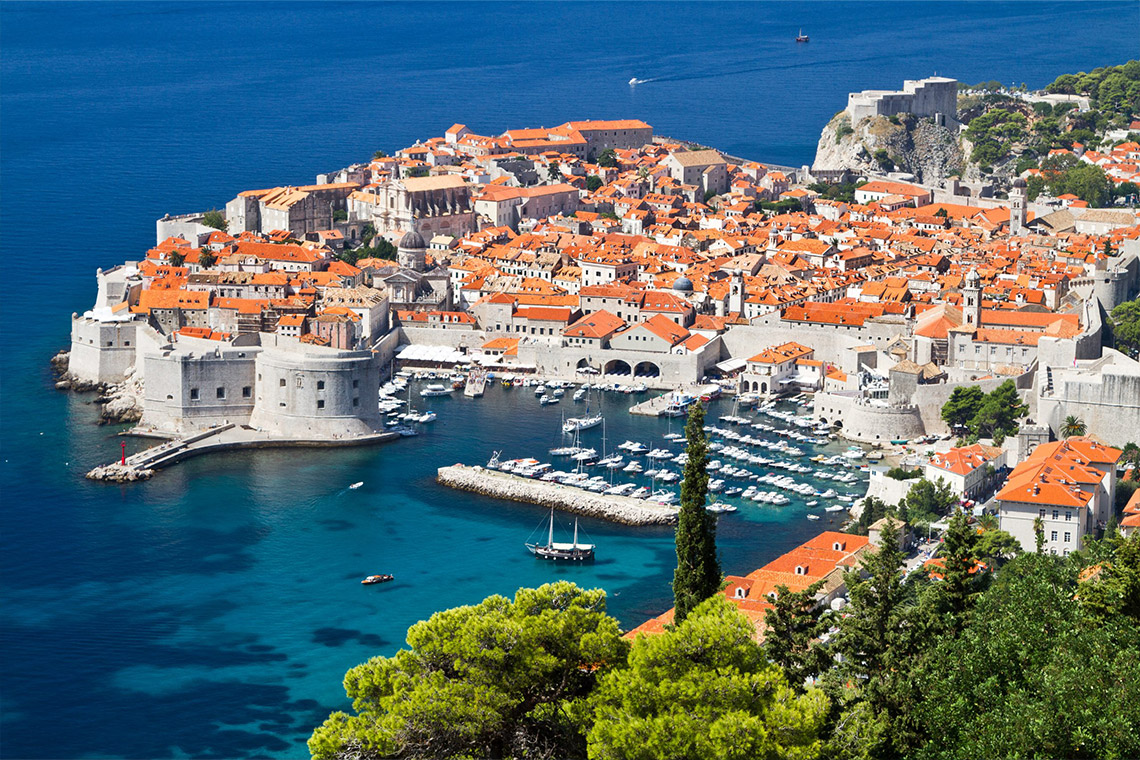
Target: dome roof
column 1019, row 182
column 412, row 240
column 683, row 285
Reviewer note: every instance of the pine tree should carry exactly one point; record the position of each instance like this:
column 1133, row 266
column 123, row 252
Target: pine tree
column 697, row 576
column 792, row 631
column 958, row 588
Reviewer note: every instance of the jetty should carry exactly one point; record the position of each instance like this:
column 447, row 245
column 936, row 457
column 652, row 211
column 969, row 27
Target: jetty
column 620, row 509
column 229, row 436
column 657, row 405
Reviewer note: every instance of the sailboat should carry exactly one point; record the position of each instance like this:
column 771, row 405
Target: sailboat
column 574, row 551
column 574, row 424
column 801, row 37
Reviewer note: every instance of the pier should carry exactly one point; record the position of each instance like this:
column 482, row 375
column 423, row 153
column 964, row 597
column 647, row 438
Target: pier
column 144, row 464
column 655, row 406
column 620, row 509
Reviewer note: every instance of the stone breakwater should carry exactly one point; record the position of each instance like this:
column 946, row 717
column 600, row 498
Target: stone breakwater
column 117, row 473
column 619, row 509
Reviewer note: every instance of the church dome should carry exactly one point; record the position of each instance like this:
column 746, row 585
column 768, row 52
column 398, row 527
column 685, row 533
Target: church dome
column 1019, row 182
column 412, row 240
column 683, row 285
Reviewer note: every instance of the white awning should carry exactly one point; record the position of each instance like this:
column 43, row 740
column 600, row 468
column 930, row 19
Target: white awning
column 439, row 354
column 731, row 365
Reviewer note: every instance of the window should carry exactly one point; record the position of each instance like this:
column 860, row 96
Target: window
column 299, row 385
column 1068, row 537
column 193, row 394
column 320, row 403
column 320, row 385
column 356, row 402
column 1068, row 515
column 246, row 391
column 355, row 383
column 1053, row 535
column 1056, row 514
column 282, row 381
column 1041, row 513
column 220, row 392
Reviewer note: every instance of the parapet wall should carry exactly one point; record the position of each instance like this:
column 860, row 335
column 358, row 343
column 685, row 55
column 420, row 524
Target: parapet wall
column 866, row 422
column 1107, row 399
column 101, row 352
column 832, row 343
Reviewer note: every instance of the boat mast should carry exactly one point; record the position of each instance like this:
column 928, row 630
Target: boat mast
column 550, row 538
column 575, row 532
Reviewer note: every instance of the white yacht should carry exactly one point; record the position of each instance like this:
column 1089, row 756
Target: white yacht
column 435, row 389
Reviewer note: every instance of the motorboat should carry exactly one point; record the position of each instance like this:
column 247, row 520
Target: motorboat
column 435, row 389
column 356, row 485
column 428, row 417
column 664, row 497
column 540, row 390
column 547, row 400
column 834, row 508
column 382, row 578
column 579, row 394
column 813, row 517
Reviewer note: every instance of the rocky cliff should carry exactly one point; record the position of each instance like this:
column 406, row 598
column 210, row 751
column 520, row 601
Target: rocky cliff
column 879, row 144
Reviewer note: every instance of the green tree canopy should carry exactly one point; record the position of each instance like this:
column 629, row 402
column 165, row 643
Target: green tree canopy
column 963, row 404
column 593, row 182
column 496, row 679
column 1125, row 321
column 697, row 576
column 216, row 219
column 996, row 545
column 998, row 415
column 792, row 629
column 927, row 501
column 207, row 258
column 1073, row 425
column 608, row 158
column 1030, row 677
column 704, row 690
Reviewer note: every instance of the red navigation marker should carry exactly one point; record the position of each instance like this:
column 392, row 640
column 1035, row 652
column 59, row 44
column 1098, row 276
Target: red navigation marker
column 124, row 445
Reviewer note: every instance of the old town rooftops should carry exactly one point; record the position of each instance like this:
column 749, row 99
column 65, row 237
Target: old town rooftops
column 785, row 352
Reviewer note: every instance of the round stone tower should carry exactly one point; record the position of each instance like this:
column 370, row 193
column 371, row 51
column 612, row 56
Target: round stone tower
column 411, row 253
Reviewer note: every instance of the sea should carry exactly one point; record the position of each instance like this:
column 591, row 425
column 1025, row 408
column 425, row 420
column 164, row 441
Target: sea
column 212, row 611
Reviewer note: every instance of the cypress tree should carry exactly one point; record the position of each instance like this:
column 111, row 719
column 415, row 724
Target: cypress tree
column 697, row 576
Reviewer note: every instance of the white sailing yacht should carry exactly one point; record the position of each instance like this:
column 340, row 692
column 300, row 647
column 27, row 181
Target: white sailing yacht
column 574, row 551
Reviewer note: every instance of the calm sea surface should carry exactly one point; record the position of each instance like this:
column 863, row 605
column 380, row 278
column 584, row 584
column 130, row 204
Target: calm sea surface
column 214, row 610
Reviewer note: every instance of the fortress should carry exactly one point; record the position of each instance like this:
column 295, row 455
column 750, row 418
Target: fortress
column 932, row 96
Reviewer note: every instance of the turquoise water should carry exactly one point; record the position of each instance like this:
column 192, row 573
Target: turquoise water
column 212, row 611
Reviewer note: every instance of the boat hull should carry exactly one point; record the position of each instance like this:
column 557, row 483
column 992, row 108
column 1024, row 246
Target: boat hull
column 568, row 555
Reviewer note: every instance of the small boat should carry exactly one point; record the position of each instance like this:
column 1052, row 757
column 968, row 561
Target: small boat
column 384, row 578
column 813, row 504
column 356, row 485
column 436, row 389
column 633, row 81
column 548, row 400
column 813, row 517
column 574, row 551
column 835, row 508
column 428, row 417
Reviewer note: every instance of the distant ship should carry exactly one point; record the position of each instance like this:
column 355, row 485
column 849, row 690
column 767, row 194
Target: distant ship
column 801, row 37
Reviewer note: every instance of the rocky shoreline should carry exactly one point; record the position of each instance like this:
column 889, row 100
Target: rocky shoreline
column 619, row 509
column 120, row 402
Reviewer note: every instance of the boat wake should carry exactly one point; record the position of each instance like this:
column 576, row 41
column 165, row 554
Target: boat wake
column 635, row 81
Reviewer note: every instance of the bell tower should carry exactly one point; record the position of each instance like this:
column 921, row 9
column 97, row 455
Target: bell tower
column 972, row 299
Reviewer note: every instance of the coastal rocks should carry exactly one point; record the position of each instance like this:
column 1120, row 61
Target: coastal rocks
column 880, row 144
column 619, row 509
column 122, row 402
column 117, row 473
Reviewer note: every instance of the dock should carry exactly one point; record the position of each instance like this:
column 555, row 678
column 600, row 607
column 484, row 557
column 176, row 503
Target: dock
column 144, row 464
column 620, row 509
column 655, row 406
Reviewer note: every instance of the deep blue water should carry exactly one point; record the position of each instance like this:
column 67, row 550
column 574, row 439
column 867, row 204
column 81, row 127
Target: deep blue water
column 213, row 610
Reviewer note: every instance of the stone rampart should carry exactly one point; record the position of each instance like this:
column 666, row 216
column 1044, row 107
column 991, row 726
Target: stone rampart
column 868, row 422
